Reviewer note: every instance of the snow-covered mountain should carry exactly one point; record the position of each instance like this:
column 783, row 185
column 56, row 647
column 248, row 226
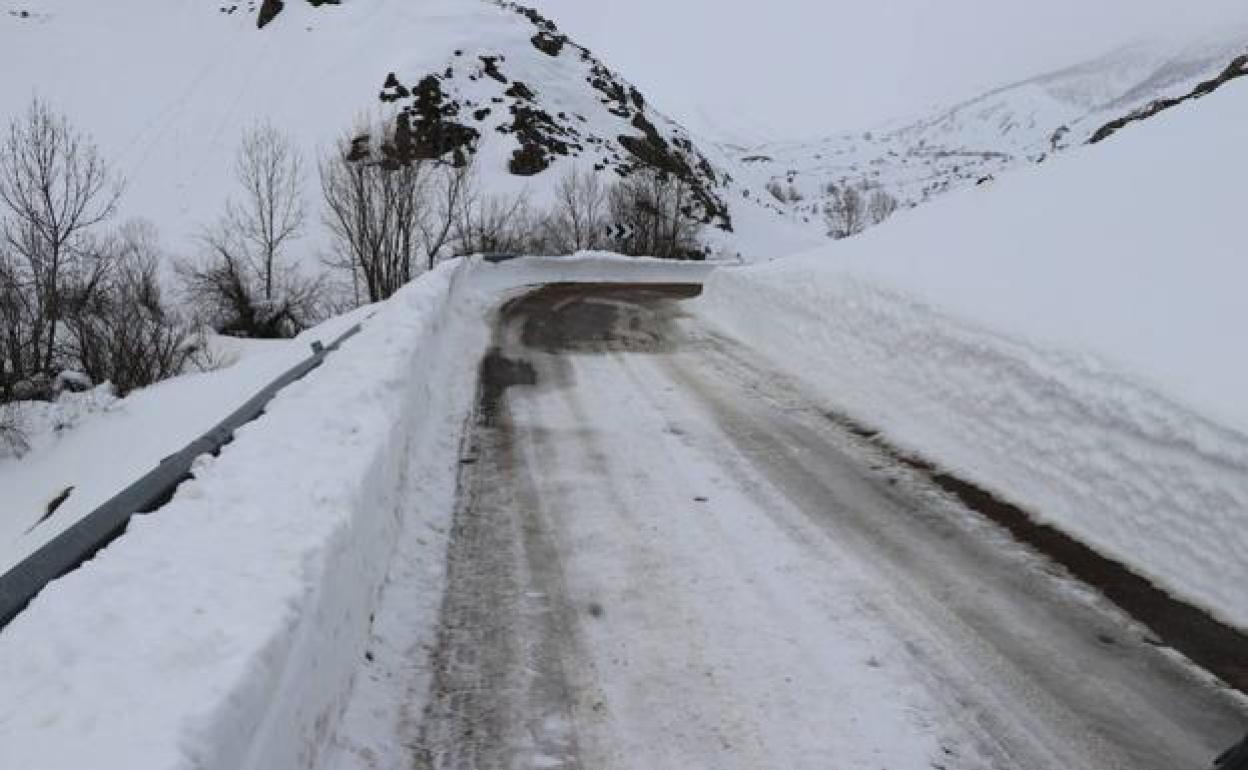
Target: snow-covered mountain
column 167, row 88
column 1012, row 126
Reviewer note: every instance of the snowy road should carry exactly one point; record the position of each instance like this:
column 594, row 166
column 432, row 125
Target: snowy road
column 666, row 557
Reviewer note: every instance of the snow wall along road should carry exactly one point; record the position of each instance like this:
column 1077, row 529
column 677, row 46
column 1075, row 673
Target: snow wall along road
column 1139, row 477
column 223, row 631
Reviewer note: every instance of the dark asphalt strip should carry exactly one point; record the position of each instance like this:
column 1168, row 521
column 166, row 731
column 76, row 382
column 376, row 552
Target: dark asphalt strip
column 1215, row 646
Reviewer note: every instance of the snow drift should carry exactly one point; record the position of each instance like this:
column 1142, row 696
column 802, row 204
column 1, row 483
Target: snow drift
column 1067, row 338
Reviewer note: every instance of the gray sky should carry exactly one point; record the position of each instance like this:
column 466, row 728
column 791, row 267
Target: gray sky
column 798, row 68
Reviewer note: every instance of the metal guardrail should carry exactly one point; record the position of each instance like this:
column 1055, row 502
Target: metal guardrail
column 70, row 549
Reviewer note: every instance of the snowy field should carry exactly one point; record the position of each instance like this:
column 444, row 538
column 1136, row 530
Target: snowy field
column 1063, row 337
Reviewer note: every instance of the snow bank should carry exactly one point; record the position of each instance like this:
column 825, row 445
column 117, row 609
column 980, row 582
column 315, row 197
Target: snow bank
column 585, row 267
column 1069, row 338
column 223, row 631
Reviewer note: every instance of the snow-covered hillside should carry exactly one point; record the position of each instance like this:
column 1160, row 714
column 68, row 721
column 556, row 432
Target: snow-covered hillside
column 1069, row 338
column 167, row 89
column 1011, row 126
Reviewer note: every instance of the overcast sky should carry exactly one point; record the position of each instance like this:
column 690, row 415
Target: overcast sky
column 799, row 68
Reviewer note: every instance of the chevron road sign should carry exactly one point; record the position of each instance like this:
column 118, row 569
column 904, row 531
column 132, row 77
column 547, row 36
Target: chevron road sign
column 620, row 232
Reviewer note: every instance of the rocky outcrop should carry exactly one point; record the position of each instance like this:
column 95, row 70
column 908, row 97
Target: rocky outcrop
column 450, row 113
column 1238, row 68
column 428, row 129
column 269, row 10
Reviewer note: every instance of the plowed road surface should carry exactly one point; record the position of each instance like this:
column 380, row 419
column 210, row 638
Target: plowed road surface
column 666, row 557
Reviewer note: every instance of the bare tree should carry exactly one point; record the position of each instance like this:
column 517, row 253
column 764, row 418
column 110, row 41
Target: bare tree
column 349, row 209
column 659, row 208
column 881, row 206
column 453, row 185
column 846, row 215
column 20, row 346
column 581, row 213
column 491, row 224
column 244, row 283
column 269, row 214
column 55, row 190
column 375, row 209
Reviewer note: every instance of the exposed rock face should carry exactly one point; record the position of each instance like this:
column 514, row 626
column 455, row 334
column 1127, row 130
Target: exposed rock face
column 269, row 10
column 427, row 130
column 540, row 137
column 393, row 90
column 1237, row 69
column 551, row 45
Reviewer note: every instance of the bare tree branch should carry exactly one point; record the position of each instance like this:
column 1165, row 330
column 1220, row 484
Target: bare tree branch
column 55, row 189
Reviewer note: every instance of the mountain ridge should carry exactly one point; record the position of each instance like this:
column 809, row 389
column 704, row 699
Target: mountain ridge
column 1005, row 128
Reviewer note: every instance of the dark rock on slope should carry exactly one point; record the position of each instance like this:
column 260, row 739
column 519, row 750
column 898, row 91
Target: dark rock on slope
column 1237, row 69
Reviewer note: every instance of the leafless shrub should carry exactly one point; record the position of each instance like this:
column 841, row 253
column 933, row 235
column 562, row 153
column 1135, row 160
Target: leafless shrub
column 226, row 294
column 244, row 283
column 201, row 356
column 121, row 330
column 496, row 224
column 55, row 190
